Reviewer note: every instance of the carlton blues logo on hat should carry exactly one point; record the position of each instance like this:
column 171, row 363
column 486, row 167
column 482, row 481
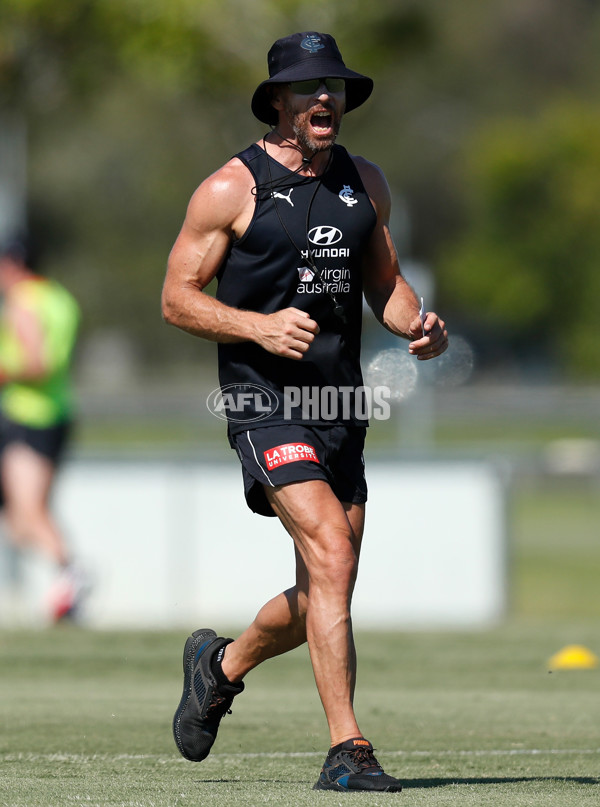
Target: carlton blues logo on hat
column 312, row 43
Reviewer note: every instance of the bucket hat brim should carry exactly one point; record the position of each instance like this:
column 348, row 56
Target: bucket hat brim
column 358, row 87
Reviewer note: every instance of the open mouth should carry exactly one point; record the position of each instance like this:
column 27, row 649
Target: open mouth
column 321, row 122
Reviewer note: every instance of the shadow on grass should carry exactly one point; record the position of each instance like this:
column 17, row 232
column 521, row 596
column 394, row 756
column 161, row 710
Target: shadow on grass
column 246, row 782
column 409, row 784
column 414, row 784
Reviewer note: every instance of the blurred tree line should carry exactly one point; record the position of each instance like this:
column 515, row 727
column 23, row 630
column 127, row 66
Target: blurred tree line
column 484, row 118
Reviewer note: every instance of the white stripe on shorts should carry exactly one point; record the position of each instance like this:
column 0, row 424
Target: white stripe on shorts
column 257, row 462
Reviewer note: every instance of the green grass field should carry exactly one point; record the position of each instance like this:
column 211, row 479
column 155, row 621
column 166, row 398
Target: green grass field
column 470, row 718
column 463, row 719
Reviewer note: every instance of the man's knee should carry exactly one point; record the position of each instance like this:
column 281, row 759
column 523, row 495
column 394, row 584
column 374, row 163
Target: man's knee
column 334, row 560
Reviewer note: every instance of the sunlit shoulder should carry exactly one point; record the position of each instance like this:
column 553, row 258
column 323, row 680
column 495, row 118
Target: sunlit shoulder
column 223, row 198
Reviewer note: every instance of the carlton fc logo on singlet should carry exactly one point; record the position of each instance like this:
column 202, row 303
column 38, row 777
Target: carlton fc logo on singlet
column 346, row 195
column 312, row 43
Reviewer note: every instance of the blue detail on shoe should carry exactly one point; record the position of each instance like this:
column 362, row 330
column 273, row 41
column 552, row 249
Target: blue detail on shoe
column 352, row 766
column 200, row 650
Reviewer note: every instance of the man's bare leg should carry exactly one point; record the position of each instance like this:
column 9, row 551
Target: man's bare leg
column 279, row 626
column 327, row 537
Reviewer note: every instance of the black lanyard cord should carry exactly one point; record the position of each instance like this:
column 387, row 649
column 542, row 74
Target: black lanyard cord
column 338, row 309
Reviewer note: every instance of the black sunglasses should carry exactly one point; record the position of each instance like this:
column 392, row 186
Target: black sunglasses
column 310, row 85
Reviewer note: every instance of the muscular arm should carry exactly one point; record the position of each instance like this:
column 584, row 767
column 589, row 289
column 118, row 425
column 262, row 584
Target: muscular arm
column 219, row 211
column 390, row 297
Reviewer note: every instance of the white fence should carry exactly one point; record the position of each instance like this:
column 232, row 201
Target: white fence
column 173, row 544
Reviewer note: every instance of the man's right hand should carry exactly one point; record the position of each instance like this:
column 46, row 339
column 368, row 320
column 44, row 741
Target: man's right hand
column 287, row 333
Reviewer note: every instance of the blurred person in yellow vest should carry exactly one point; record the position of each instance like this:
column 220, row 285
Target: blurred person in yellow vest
column 39, row 321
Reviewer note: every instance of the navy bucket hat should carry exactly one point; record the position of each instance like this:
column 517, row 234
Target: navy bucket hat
column 303, row 56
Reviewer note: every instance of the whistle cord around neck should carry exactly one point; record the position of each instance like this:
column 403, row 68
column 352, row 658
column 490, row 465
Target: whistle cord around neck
column 338, row 309
column 305, row 160
column 264, row 190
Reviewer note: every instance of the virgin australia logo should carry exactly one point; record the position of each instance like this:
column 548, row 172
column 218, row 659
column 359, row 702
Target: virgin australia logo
column 305, row 274
column 242, row 402
column 325, row 236
column 312, row 43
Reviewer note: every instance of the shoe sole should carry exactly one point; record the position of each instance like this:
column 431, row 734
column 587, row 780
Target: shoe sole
column 192, row 644
column 341, row 789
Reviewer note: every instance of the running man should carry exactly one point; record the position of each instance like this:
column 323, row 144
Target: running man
column 39, row 320
column 296, row 231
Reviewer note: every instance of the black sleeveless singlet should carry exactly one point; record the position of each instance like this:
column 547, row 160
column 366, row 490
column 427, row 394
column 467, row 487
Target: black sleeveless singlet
column 265, row 272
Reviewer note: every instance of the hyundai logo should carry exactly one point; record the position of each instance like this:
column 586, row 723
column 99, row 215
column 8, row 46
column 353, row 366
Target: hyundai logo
column 325, row 236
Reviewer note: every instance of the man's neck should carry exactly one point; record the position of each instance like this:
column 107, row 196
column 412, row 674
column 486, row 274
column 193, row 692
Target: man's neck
column 290, row 153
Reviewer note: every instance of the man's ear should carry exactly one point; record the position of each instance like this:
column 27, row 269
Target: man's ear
column 275, row 96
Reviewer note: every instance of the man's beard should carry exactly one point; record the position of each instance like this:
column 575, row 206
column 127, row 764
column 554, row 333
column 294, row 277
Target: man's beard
column 300, row 123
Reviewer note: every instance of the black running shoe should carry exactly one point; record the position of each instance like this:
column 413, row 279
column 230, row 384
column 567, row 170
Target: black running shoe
column 352, row 766
column 203, row 702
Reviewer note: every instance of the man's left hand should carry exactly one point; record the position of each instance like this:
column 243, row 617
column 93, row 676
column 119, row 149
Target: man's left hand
column 433, row 342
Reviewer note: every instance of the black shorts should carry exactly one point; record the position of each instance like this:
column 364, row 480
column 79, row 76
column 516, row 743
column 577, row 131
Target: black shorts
column 50, row 442
column 277, row 455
